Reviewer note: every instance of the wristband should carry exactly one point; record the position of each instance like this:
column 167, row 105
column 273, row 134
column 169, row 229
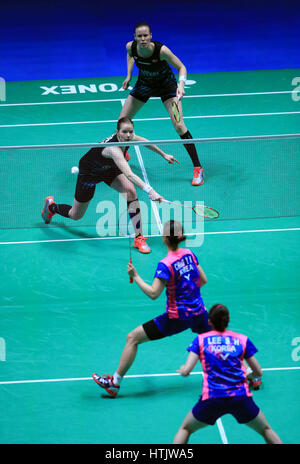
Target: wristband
column 147, row 188
column 182, row 78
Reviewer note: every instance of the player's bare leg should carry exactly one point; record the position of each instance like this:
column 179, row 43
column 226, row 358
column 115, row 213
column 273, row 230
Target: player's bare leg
column 183, row 132
column 78, row 209
column 122, row 185
column 131, row 107
column 112, row 383
column 134, row 338
column 261, row 426
column 189, row 426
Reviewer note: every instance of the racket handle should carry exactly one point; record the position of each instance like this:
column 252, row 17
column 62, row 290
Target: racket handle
column 130, row 278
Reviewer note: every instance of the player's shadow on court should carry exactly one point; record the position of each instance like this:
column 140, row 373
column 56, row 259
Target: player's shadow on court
column 56, row 233
column 149, row 389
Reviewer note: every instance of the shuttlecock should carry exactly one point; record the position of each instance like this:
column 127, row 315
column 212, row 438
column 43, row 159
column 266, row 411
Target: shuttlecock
column 74, row 170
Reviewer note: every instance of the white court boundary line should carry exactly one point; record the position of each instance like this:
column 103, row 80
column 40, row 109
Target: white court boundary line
column 142, row 166
column 218, row 422
column 156, row 235
column 215, row 95
column 222, row 431
column 73, row 379
column 239, row 115
column 133, row 376
column 153, row 204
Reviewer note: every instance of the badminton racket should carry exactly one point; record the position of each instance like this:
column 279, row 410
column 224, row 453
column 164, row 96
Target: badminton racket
column 200, row 210
column 130, row 259
column 176, row 112
column 126, row 230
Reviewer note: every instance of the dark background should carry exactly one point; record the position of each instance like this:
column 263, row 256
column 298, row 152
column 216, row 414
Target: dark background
column 70, row 39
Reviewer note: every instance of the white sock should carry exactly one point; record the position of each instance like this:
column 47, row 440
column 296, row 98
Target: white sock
column 117, row 378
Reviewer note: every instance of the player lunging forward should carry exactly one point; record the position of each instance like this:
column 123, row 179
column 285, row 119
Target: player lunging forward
column 108, row 165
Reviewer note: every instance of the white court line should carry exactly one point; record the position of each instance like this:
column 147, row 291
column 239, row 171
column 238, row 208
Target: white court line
column 222, row 432
column 156, row 235
column 141, row 163
column 239, row 115
column 136, row 376
column 73, row 379
column 215, row 95
column 153, row 204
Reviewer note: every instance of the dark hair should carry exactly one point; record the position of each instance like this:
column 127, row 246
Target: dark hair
column 173, row 230
column 123, row 120
column 219, row 317
column 142, row 25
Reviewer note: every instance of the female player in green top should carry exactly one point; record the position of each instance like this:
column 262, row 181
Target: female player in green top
column 156, row 79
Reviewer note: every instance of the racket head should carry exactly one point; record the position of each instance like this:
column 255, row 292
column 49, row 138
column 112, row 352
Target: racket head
column 175, row 111
column 206, row 211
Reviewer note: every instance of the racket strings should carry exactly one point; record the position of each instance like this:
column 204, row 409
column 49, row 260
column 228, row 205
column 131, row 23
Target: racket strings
column 205, row 211
column 176, row 111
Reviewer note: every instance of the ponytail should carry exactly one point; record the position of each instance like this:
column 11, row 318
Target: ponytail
column 219, row 317
column 173, row 230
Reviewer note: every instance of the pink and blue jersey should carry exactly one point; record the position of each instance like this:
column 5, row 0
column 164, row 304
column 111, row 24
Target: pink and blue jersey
column 179, row 269
column 221, row 356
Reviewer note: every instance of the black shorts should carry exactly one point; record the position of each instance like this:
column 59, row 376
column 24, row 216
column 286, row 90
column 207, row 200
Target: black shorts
column 162, row 326
column 165, row 90
column 86, row 184
column 242, row 408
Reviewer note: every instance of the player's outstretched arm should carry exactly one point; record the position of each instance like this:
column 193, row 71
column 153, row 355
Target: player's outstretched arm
column 116, row 154
column 169, row 158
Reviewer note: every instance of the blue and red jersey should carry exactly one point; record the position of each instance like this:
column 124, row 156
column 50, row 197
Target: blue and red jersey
column 221, row 355
column 179, row 269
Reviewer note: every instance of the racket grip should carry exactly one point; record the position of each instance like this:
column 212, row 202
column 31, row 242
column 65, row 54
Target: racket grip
column 130, row 278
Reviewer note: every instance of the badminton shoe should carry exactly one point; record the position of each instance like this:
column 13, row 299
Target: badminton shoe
column 198, row 176
column 140, row 243
column 46, row 213
column 106, row 382
column 255, row 384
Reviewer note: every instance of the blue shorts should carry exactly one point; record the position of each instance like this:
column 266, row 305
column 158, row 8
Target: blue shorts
column 162, row 326
column 242, row 408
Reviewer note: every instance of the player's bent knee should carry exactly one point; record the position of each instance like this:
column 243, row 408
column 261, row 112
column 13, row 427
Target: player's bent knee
column 265, row 430
column 77, row 212
column 132, row 338
column 75, row 217
column 137, row 336
column 131, row 194
column 180, row 128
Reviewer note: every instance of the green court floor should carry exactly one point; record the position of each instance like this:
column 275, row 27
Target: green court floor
column 66, row 304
